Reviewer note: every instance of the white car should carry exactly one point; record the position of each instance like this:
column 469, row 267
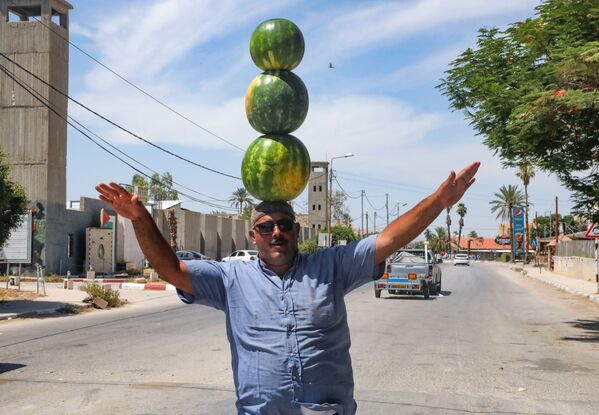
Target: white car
column 461, row 259
column 241, row 255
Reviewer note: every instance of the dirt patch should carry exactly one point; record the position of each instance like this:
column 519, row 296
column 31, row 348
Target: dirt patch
column 13, row 294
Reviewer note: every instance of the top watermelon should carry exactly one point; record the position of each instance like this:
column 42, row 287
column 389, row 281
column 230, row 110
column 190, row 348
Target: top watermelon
column 277, row 44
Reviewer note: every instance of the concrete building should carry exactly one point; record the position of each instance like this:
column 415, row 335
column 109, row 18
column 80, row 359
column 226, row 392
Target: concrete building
column 318, row 195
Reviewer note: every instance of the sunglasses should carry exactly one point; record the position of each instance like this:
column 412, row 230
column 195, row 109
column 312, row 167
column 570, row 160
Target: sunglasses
column 266, row 228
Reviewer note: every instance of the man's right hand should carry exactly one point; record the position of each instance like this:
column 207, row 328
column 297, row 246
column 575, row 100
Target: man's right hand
column 123, row 202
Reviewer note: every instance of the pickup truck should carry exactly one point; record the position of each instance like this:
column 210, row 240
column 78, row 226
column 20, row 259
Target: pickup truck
column 411, row 272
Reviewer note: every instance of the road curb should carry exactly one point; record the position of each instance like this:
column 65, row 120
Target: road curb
column 140, row 286
column 592, row 297
column 44, row 311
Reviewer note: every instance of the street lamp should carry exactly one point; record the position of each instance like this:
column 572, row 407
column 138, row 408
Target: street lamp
column 331, row 193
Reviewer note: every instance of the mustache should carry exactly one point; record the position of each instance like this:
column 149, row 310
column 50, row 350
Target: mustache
column 276, row 240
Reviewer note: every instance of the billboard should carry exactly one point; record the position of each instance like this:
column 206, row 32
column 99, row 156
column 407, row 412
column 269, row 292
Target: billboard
column 17, row 249
column 518, row 230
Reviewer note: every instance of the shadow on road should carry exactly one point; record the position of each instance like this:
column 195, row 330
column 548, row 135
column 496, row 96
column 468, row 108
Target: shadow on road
column 415, row 297
column 7, row 367
column 590, row 328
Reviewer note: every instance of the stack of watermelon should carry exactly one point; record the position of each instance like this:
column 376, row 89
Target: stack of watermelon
column 276, row 166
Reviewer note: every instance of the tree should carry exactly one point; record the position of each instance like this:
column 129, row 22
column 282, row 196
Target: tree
column 241, row 198
column 461, row 210
column 339, row 211
column 473, row 235
column 13, row 202
column 437, row 241
column 532, row 92
column 506, row 199
column 309, row 246
column 525, row 173
column 342, row 232
column 448, row 223
column 155, row 188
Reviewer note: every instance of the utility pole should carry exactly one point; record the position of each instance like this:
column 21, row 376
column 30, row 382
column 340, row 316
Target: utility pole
column 366, row 223
column 387, row 206
column 556, row 225
column 374, row 224
column 362, row 214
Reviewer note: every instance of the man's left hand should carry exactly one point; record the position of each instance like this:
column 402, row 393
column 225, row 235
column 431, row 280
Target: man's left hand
column 452, row 189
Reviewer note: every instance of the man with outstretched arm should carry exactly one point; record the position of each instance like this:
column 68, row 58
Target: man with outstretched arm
column 285, row 312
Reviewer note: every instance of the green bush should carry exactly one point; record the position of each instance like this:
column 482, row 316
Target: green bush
column 505, row 257
column 93, row 290
column 309, row 246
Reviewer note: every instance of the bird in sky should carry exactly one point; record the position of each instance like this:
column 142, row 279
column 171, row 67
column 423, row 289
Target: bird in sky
column 331, row 65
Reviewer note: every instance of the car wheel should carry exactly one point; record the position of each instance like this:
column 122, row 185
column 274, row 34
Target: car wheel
column 426, row 291
column 377, row 293
column 439, row 288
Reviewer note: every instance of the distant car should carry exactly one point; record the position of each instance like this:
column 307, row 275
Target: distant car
column 241, row 255
column 461, row 259
column 189, row 255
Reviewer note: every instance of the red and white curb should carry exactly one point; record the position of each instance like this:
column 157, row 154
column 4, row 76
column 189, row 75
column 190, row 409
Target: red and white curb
column 139, row 286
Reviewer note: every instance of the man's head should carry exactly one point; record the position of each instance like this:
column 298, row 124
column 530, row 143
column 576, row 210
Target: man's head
column 274, row 232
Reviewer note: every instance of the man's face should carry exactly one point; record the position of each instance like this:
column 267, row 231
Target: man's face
column 279, row 247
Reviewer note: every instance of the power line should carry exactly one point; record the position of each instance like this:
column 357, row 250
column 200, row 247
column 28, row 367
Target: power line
column 343, row 190
column 48, row 105
column 133, row 85
column 115, row 124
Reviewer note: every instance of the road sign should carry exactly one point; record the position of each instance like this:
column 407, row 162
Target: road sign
column 592, row 231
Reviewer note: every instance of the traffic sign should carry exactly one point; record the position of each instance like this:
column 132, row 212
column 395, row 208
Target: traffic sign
column 592, row 231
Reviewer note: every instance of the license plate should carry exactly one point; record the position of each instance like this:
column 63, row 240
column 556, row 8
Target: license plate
column 411, row 276
column 398, row 285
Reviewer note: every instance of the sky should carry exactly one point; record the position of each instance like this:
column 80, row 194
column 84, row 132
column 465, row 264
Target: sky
column 379, row 102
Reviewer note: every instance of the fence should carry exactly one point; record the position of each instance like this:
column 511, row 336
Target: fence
column 580, row 248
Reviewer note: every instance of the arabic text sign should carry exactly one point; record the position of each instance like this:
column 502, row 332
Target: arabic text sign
column 17, row 249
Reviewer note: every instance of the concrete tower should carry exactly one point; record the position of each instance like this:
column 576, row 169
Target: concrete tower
column 34, row 34
column 318, row 195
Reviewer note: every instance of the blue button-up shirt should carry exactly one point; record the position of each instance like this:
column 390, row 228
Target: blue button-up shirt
column 289, row 336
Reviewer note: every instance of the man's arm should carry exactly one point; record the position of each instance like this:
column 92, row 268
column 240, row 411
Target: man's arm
column 408, row 226
column 153, row 245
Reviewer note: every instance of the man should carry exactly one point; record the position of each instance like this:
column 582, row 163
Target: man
column 285, row 312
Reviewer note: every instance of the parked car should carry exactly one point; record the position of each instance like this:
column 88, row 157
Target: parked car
column 241, row 255
column 187, row 255
column 461, row 259
column 411, row 272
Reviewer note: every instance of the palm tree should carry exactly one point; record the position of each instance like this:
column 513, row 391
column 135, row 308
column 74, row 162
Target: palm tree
column 473, row 235
column 506, row 199
column 526, row 172
column 240, row 198
column 436, row 241
column 461, row 211
column 448, row 223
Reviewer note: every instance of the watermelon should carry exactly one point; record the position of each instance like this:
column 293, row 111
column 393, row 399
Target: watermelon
column 276, row 102
column 277, row 44
column 276, row 167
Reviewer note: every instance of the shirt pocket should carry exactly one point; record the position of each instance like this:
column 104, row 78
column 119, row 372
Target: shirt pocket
column 317, row 307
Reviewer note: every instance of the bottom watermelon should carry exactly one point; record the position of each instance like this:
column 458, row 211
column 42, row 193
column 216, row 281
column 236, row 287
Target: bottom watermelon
column 276, row 167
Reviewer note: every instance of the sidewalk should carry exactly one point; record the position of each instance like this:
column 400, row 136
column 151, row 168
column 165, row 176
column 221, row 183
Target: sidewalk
column 571, row 285
column 58, row 297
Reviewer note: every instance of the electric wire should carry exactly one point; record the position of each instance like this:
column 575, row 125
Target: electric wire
column 343, row 190
column 133, row 85
column 36, row 95
column 117, row 125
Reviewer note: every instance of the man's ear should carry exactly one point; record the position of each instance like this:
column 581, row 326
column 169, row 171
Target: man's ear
column 252, row 235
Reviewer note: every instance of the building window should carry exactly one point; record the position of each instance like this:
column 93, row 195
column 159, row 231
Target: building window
column 70, row 244
column 320, row 188
column 313, row 207
column 319, row 226
column 318, row 207
column 313, row 226
column 317, row 169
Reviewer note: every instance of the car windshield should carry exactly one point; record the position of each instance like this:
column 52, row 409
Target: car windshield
column 410, row 257
column 253, row 252
column 461, row 256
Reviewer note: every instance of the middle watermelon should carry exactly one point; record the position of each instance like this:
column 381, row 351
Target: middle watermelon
column 276, row 102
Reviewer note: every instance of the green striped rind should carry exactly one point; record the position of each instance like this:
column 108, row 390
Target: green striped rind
column 277, row 44
column 276, row 102
column 276, row 167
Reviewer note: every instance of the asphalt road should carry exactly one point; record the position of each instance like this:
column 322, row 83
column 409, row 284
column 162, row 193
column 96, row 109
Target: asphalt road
column 493, row 343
